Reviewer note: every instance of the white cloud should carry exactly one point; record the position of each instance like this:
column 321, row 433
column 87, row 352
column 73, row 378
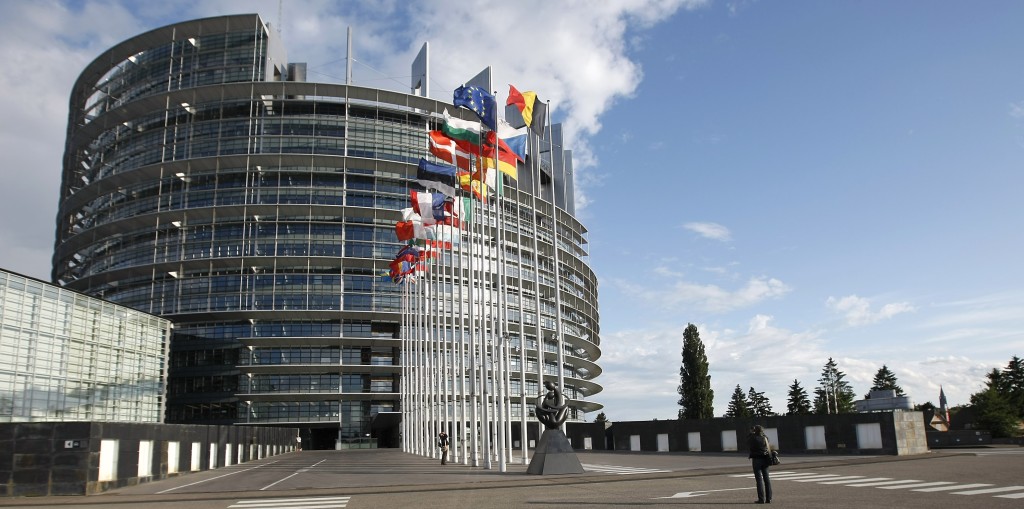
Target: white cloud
column 712, row 231
column 1017, row 110
column 710, row 298
column 857, row 310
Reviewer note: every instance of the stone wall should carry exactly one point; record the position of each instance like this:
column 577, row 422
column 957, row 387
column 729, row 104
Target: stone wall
column 897, row 433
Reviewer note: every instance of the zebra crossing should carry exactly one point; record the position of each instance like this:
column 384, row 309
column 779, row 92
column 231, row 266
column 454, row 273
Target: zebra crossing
column 888, row 483
column 612, row 469
column 1000, row 452
column 293, row 503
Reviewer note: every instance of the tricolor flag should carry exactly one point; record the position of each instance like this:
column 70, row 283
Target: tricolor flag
column 430, row 206
column 461, row 130
column 441, row 177
column 533, row 110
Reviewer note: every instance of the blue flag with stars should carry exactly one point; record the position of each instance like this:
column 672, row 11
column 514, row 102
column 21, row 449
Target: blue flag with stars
column 478, row 101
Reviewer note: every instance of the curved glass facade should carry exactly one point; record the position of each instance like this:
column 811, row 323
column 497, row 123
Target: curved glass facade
column 258, row 213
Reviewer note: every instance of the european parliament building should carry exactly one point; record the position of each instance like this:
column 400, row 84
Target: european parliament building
column 207, row 182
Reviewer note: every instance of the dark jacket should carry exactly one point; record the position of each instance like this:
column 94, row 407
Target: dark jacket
column 758, row 445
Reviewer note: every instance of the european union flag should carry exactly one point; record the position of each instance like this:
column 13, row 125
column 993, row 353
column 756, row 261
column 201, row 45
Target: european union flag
column 478, row 101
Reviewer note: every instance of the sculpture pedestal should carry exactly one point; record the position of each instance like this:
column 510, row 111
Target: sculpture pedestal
column 554, row 455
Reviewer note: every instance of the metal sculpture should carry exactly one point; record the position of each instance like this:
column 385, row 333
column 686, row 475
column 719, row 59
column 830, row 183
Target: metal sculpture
column 554, row 453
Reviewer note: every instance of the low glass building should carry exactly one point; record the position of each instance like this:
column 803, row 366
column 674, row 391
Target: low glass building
column 65, row 356
column 206, row 182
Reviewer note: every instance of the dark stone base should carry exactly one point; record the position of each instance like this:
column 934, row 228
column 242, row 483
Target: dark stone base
column 554, row 455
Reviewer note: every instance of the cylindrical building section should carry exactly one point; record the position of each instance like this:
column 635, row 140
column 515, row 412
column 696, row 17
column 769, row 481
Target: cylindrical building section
column 205, row 183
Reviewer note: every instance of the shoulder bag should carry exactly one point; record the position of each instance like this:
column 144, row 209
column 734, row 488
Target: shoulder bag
column 773, row 455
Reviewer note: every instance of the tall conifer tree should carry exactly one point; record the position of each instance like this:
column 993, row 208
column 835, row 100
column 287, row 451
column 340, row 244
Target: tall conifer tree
column 834, row 395
column 759, row 404
column 799, row 403
column 696, row 399
column 885, row 380
column 738, row 406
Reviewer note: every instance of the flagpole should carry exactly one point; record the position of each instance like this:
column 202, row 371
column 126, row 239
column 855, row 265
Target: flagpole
column 485, row 414
column 535, row 181
column 404, row 384
column 559, row 339
column 432, row 348
column 522, row 333
column 446, row 324
column 502, row 334
column 463, row 418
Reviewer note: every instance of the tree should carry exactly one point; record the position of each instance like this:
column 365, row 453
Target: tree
column 834, row 395
column 1013, row 384
column 885, row 380
column 998, row 407
column 696, row 398
column 738, row 404
column 601, row 418
column 924, row 407
column 799, row 403
column 994, row 413
column 759, row 404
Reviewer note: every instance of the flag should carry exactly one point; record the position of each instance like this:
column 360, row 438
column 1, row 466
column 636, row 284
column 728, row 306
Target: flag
column 524, row 102
column 533, row 110
column 516, row 99
column 472, row 185
column 430, row 206
column 462, row 212
column 478, row 101
column 466, row 135
column 515, row 139
column 506, row 160
column 461, row 130
column 410, row 227
column 441, row 177
column 540, row 115
column 408, row 230
column 447, row 149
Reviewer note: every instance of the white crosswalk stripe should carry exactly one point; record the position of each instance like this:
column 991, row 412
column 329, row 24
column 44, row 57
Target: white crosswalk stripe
column 989, row 490
column 612, row 469
column 888, row 483
column 999, row 452
column 293, row 503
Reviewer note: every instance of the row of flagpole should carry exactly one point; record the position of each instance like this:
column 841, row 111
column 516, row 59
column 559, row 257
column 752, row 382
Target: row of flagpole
column 439, row 390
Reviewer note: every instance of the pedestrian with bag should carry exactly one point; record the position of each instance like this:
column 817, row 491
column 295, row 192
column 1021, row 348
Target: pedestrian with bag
column 443, row 443
column 761, row 459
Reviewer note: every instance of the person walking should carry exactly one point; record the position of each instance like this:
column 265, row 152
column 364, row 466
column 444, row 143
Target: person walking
column 761, row 459
column 443, row 443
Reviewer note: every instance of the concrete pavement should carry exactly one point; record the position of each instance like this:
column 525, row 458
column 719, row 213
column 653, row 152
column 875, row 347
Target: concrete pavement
column 373, row 471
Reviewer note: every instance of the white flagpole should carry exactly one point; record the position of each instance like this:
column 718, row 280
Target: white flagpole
column 430, row 321
column 501, row 336
column 446, row 333
column 523, row 435
column 485, row 414
column 474, row 338
column 536, row 280
column 462, row 293
column 404, row 385
column 559, row 339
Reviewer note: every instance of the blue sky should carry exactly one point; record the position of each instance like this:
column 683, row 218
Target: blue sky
column 801, row 180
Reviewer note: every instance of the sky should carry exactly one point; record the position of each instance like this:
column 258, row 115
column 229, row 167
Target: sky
column 801, row 180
